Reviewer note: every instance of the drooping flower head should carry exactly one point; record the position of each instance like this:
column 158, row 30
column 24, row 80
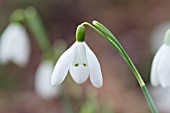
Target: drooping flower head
column 14, row 45
column 160, row 72
column 80, row 61
column 42, row 81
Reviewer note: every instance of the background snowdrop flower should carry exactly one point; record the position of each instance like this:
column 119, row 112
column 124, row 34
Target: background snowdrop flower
column 161, row 63
column 15, row 45
column 42, row 81
column 80, row 61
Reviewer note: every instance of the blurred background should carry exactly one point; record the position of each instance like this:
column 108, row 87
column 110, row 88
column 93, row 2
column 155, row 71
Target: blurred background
column 139, row 25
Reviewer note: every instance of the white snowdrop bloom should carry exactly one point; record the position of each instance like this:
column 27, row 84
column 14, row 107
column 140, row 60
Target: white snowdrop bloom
column 160, row 72
column 81, row 62
column 42, row 81
column 15, row 45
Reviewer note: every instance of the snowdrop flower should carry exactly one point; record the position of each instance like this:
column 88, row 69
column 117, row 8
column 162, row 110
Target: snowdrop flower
column 14, row 45
column 160, row 67
column 42, row 81
column 80, row 61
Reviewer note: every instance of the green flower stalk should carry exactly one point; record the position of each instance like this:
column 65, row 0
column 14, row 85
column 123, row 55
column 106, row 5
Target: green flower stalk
column 108, row 36
column 36, row 26
column 34, row 23
column 121, row 50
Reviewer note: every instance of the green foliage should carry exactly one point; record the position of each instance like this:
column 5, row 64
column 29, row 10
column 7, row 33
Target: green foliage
column 36, row 26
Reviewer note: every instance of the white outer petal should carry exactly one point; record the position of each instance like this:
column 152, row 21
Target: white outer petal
column 62, row 66
column 6, row 40
column 42, row 81
column 15, row 45
column 164, row 67
column 94, row 68
column 154, row 68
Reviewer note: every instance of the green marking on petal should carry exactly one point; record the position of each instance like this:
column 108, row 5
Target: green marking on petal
column 84, row 64
column 76, row 65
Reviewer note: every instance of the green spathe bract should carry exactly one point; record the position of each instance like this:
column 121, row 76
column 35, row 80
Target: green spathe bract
column 80, row 33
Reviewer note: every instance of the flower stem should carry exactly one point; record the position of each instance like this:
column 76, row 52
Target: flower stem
column 66, row 102
column 101, row 34
column 108, row 36
column 36, row 26
column 149, row 99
